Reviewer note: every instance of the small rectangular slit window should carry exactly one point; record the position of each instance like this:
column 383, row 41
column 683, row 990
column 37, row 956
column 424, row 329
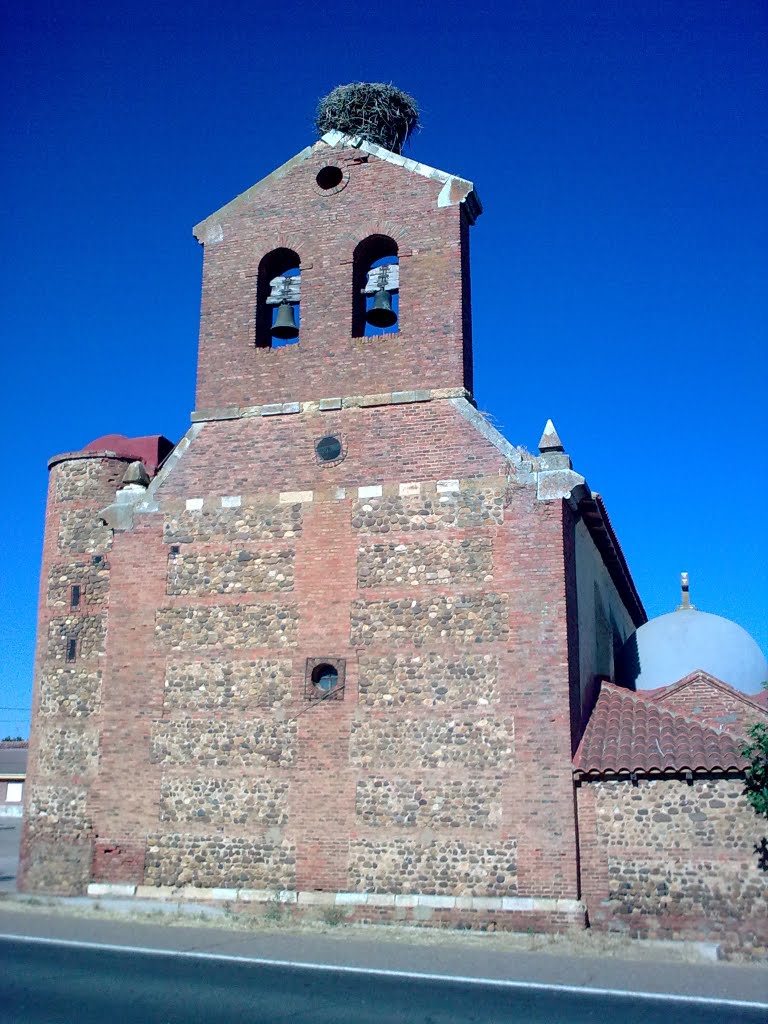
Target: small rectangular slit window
column 74, row 596
column 71, row 648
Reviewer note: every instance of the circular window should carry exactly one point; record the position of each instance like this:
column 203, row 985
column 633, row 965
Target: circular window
column 328, row 448
column 325, row 678
column 329, row 177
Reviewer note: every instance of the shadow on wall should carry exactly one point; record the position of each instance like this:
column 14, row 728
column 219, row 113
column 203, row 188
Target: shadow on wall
column 628, row 663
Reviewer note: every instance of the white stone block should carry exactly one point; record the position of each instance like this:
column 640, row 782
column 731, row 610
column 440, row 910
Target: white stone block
column 156, row 892
column 294, row 497
column 518, row 903
column 486, row 902
column 111, row 889
column 373, row 491
column 410, row 490
column 317, row 899
column 406, row 900
column 380, row 899
column 255, row 895
column 231, row 501
column 223, row 894
column 437, row 902
column 351, row 899
column 448, row 487
column 194, row 504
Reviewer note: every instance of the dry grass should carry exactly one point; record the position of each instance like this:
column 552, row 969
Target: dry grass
column 573, row 943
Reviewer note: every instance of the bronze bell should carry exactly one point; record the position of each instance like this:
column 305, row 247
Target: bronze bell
column 381, row 313
column 284, row 326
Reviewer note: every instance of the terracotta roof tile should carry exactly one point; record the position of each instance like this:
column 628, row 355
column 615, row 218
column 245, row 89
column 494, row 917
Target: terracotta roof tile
column 630, row 732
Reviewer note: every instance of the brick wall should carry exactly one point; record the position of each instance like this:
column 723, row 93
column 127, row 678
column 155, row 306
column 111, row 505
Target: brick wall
column 703, row 699
column 324, row 229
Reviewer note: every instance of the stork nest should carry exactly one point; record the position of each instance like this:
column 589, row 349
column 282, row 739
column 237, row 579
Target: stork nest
column 373, row 111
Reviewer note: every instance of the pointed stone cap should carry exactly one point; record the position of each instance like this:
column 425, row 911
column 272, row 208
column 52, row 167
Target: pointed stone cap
column 136, row 474
column 550, row 439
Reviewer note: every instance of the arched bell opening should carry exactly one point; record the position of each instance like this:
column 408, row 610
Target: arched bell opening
column 278, row 299
column 375, row 287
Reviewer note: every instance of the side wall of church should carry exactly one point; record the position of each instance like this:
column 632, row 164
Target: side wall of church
column 604, row 622
column 668, row 860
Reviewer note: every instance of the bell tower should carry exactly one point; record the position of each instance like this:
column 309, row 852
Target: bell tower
column 343, row 273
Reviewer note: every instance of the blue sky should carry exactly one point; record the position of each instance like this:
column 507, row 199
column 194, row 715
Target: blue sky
column 620, row 152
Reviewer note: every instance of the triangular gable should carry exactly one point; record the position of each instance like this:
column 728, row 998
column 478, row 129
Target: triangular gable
column 454, row 189
column 711, row 700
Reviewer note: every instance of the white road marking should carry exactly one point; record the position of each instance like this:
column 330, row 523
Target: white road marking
column 383, row 973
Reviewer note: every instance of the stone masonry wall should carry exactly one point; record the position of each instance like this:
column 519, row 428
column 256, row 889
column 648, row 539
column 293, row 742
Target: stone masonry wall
column 88, row 480
column 429, row 680
column 58, row 812
column 226, row 627
column 218, row 801
column 66, row 751
column 468, row 508
column 71, row 692
column 93, row 580
column 218, row 861
column 479, row 744
column 87, row 630
column 82, row 531
column 444, row 868
column 429, row 802
column 669, row 860
column 227, row 685
column 438, row 563
column 463, row 618
column 238, row 525
column 233, row 572
column 260, row 743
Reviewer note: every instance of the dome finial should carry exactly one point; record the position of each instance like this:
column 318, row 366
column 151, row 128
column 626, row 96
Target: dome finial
column 685, row 604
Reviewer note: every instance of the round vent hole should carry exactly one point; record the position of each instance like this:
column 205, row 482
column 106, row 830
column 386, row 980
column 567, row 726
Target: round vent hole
column 329, row 177
column 328, row 448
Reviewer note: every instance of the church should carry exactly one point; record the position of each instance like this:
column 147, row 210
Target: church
column 346, row 646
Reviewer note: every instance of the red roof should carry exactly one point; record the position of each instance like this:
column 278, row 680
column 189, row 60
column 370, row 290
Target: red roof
column 630, row 732
column 150, row 450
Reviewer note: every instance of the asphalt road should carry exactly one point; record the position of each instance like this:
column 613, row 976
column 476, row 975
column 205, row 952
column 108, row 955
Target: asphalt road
column 47, row 982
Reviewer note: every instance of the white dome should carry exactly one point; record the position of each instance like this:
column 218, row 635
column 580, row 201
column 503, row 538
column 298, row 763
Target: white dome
column 674, row 645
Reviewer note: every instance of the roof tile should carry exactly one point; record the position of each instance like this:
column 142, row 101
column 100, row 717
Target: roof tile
column 630, row 732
